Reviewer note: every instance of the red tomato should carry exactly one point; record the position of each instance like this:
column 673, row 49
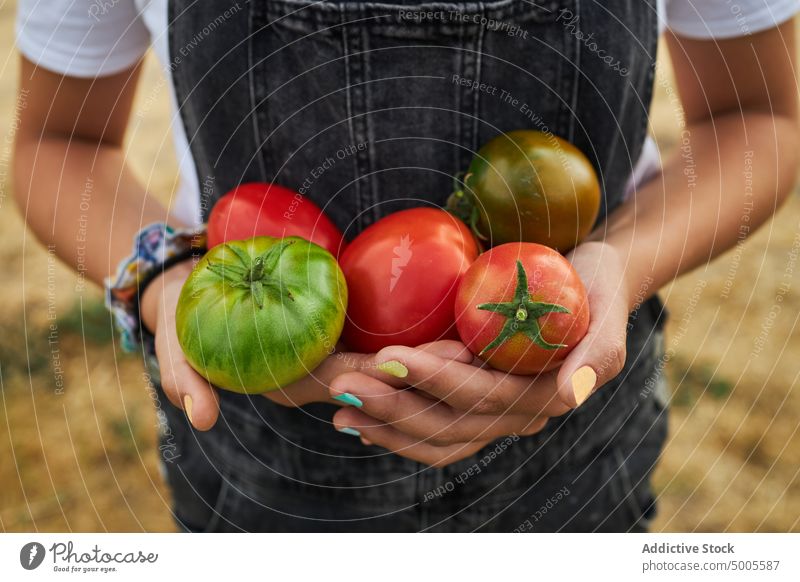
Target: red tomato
column 258, row 209
column 522, row 308
column 402, row 276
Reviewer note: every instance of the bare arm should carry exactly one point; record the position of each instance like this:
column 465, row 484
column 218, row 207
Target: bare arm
column 77, row 193
column 737, row 160
column 71, row 179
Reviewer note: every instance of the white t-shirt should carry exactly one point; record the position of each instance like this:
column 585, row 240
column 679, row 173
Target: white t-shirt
column 83, row 38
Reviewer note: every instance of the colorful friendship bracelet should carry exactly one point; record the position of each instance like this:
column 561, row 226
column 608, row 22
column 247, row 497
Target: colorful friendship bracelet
column 156, row 248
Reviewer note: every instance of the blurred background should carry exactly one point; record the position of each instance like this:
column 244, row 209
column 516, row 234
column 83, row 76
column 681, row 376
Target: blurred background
column 78, row 426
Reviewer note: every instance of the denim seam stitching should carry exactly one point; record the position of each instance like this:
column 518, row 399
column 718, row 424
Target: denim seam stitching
column 458, row 156
column 357, row 78
column 349, row 112
column 576, row 80
column 367, row 156
column 332, row 11
column 254, row 108
column 476, row 111
column 630, row 489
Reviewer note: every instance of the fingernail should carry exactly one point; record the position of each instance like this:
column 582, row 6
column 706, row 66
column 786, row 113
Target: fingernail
column 583, row 381
column 393, row 368
column 187, row 407
column 366, row 442
column 350, row 431
column 349, row 399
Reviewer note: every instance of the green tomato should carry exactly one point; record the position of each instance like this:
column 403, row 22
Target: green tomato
column 529, row 186
column 259, row 314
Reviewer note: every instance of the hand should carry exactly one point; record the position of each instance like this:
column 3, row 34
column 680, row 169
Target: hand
column 192, row 393
column 314, row 387
column 475, row 404
column 402, row 414
column 184, row 387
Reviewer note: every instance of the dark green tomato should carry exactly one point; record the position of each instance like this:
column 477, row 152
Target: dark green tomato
column 529, row 186
column 259, row 314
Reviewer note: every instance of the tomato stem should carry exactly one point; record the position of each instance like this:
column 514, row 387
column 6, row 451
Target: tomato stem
column 254, row 274
column 522, row 315
column 461, row 204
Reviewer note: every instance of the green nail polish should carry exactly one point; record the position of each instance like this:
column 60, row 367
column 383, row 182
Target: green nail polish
column 349, row 399
column 350, row 431
column 393, row 368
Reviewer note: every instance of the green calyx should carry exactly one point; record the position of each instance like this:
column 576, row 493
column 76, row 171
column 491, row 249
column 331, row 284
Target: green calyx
column 522, row 315
column 254, row 274
column 461, row 204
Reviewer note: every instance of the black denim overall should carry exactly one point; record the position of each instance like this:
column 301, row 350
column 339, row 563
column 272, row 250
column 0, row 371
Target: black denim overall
column 369, row 108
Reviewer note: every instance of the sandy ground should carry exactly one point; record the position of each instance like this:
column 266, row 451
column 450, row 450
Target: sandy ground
column 77, row 425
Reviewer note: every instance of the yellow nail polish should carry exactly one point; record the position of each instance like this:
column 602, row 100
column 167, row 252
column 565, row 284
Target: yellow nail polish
column 393, row 368
column 187, row 407
column 583, row 381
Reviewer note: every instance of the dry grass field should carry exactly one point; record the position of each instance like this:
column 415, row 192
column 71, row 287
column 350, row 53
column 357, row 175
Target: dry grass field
column 77, row 426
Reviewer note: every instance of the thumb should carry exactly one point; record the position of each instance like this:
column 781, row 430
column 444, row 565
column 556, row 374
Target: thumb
column 600, row 355
column 184, row 387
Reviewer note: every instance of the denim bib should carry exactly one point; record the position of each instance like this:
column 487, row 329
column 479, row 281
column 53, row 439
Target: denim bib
column 368, row 108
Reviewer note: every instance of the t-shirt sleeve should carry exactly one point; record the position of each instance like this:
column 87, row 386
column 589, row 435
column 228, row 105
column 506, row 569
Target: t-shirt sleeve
column 81, row 38
column 718, row 19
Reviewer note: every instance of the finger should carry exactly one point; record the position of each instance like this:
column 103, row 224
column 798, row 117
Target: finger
column 401, row 444
column 449, row 350
column 314, row 386
column 600, row 356
column 184, row 387
column 477, row 390
column 422, row 418
column 394, row 374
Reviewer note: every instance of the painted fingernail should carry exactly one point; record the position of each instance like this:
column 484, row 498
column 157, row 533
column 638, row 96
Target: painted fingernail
column 187, row 407
column 349, row 399
column 393, row 368
column 583, row 381
column 350, row 431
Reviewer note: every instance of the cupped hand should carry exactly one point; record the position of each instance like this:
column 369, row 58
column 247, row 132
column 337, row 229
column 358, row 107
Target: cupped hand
column 417, row 414
column 457, row 404
column 192, row 393
column 184, row 387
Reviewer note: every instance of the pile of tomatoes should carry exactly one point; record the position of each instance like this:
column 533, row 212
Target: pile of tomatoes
column 282, row 287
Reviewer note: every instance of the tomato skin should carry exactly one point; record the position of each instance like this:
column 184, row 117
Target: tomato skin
column 237, row 345
column 402, row 274
column 492, row 279
column 533, row 187
column 259, row 209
